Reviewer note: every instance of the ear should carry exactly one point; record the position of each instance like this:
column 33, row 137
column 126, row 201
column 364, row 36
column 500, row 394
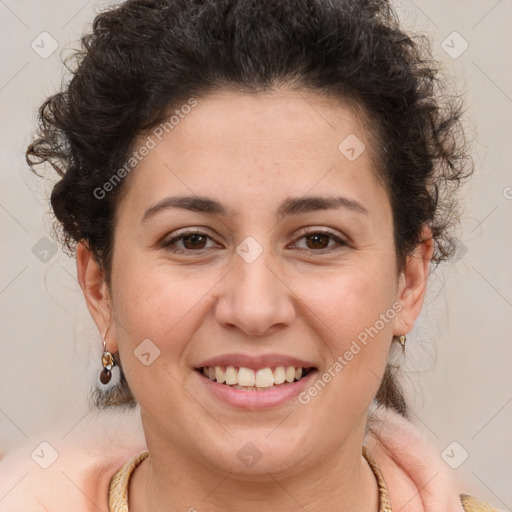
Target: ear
column 412, row 283
column 95, row 289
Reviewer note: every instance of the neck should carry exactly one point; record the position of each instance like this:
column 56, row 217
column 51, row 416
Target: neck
column 171, row 480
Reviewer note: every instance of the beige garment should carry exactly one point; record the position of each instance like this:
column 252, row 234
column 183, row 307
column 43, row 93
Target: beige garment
column 118, row 490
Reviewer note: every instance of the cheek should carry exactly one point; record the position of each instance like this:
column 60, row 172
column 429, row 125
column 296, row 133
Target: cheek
column 352, row 315
column 350, row 299
column 344, row 315
column 339, row 306
column 155, row 316
column 161, row 304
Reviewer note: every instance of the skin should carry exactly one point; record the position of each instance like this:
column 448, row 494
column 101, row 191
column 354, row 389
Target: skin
column 251, row 152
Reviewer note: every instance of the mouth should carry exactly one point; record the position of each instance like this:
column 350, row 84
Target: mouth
column 249, row 379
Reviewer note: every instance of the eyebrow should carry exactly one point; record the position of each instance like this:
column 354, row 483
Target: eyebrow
column 291, row 206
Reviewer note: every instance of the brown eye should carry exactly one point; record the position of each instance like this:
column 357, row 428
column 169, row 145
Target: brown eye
column 318, row 241
column 195, row 241
column 188, row 242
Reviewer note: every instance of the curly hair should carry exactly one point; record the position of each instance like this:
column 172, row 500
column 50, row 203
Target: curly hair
column 144, row 57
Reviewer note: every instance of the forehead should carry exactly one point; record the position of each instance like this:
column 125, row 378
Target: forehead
column 285, row 124
column 253, row 147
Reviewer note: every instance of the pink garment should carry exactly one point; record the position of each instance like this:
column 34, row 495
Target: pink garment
column 418, row 480
column 78, row 480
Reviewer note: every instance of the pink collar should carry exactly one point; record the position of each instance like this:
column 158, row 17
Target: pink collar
column 417, row 478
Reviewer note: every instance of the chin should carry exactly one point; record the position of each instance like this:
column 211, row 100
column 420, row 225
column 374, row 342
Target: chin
column 250, row 457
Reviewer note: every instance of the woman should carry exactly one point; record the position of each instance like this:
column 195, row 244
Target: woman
column 255, row 192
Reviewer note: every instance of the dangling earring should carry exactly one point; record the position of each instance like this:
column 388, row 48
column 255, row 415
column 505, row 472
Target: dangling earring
column 402, row 339
column 108, row 362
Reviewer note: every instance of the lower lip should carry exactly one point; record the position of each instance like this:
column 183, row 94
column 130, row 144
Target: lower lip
column 254, row 400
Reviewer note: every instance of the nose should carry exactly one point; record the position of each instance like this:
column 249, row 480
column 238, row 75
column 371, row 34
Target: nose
column 254, row 297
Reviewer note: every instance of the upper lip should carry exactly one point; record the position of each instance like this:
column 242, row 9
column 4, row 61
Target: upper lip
column 255, row 362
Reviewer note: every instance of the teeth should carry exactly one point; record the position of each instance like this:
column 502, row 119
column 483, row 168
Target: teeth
column 231, row 376
column 246, row 378
column 264, row 378
column 220, row 376
column 290, row 374
column 279, row 375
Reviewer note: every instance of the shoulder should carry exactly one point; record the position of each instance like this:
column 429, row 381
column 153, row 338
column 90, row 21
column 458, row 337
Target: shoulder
column 75, row 480
column 407, row 458
column 471, row 504
column 63, row 475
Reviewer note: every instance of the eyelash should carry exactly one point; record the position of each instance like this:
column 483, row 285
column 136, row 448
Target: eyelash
column 308, row 233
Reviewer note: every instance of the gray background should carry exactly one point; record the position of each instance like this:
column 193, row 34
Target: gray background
column 458, row 376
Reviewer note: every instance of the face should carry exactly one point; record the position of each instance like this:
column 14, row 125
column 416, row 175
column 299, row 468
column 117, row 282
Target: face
column 256, row 275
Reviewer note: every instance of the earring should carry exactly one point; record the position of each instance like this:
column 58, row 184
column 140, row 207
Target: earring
column 402, row 340
column 108, row 362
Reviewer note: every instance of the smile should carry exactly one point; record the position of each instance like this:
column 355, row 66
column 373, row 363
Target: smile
column 254, row 380
column 246, row 388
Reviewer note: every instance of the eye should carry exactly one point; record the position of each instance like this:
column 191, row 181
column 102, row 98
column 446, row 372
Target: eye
column 318, row 241
column 196, row 241
column 193, row 241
